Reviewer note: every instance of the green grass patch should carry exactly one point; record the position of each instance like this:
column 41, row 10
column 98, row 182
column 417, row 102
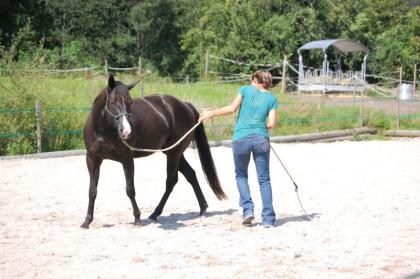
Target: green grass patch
column 66, row 102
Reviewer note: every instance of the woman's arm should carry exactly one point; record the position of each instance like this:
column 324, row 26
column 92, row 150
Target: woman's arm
column 272, row 117
column 229, row 109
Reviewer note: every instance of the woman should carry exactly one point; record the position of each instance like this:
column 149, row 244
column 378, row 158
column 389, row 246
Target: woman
column 255, row 104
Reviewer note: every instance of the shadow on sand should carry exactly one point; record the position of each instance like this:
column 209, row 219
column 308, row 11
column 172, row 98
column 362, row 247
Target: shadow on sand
column 176, row 220
column 300, row 218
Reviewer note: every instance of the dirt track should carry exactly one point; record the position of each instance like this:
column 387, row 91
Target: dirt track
column 364, row 197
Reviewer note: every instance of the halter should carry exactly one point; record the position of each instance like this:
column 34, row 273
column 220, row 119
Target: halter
column 115, row 117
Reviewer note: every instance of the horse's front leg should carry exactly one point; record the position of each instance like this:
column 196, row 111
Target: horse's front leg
column 93, row 165
column 128, row 166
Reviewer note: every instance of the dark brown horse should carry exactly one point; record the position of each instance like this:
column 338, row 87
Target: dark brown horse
column 152, row 122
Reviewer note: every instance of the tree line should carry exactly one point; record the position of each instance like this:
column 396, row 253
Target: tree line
column 172, row 36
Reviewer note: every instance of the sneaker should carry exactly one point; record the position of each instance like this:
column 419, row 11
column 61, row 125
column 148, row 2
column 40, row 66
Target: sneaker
column 248, row 220
column 267, row 226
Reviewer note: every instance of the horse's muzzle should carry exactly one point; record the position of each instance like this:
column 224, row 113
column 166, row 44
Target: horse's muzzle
column 125, row 134
column 125, row 129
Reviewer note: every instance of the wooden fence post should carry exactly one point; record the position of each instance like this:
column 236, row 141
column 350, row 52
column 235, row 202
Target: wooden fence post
column 206, row 66
column 398, row 111
column 401, row 73
column 398, row 99
column 319, row 108
column 283, row 78
column 106, row 68
column 139, row 72
column 414, row 79
column 187, row 79
column 362, row 109
column 38, row 127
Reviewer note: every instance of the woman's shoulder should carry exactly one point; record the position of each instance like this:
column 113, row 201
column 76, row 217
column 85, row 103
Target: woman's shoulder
column 244, row 90
column 270, row 98
column 247, row 87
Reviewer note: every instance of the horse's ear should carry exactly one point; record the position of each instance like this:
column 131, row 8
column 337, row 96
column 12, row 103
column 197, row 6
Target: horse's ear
column 131, row 85
column 111, row 82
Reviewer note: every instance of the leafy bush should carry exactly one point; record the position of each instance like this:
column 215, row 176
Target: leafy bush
column 18, row 99
column 62, row 129
column 21, row 89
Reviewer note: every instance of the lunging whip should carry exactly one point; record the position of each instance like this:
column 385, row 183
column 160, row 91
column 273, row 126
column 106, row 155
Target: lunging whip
column 294, row 183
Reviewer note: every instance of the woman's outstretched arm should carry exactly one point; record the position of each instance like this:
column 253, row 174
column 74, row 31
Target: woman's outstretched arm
column 229, row 109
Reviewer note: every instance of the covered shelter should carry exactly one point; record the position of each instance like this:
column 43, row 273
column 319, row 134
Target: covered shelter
column 325, row 80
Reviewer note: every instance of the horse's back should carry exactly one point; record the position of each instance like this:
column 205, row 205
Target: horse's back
column 160, row 120
column 173, row 109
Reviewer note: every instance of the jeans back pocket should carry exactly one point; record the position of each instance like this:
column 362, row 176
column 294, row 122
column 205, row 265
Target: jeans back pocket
column 262, row 144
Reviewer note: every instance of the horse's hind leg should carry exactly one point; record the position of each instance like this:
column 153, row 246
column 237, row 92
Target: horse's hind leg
column 189, row 174
column 130, row 190
column 171, row 180
column 93, row 165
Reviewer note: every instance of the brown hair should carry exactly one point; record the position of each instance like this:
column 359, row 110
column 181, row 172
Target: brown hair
column 264, row 78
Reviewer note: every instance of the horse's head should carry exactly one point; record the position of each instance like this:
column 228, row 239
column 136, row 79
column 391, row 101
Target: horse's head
column 117, row 106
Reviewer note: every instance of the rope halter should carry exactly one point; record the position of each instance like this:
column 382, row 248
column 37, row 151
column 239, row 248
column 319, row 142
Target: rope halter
column 115, row 117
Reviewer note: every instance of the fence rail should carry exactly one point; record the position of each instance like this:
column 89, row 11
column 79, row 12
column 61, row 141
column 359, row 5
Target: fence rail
column 218, row 129
column 311, row 77
column 288, row 78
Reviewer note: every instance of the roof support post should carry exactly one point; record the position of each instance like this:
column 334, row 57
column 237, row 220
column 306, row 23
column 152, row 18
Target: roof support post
column 339, row 60
column 325, row 71
column 301, row 73
column 283, row 75
column 364, row 72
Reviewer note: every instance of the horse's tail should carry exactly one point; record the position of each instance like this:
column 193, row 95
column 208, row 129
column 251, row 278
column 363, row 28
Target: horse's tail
column 206, row 159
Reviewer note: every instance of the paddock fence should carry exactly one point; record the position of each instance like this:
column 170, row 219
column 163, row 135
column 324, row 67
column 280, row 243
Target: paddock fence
column 298, row 113
column 293, row 115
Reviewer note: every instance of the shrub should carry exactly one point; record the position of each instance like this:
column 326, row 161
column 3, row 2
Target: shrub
column 377, row 119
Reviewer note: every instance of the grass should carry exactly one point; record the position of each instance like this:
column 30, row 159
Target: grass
column 66, row 102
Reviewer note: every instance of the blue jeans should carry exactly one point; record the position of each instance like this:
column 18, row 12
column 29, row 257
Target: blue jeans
column 259, row 146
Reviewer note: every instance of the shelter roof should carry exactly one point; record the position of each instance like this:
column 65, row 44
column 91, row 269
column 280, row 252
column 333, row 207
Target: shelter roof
column 343, row 45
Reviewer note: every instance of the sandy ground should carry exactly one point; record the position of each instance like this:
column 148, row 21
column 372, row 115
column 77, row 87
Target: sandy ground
column 363, row 197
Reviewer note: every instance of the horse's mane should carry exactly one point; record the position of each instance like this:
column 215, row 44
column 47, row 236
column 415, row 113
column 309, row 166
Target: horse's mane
column 99, row 102
column 100, row 98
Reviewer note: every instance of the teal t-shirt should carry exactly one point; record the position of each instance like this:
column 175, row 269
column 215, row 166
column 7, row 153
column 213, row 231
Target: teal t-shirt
column 255, row 107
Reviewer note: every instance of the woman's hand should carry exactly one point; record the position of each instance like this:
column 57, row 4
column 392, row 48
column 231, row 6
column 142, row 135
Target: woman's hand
column 205, row 114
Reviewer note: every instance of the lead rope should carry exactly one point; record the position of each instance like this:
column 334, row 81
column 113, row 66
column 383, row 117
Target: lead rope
column 294, row 183
column 164, row 149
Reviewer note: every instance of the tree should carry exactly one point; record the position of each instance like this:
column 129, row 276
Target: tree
column 157, row 34
column 94, row 29
column 399, row 45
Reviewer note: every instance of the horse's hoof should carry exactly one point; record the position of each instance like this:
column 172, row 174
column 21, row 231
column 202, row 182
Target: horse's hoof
column 85, row 226
column 153, row 217
column 137, row 222
column 203, row 212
